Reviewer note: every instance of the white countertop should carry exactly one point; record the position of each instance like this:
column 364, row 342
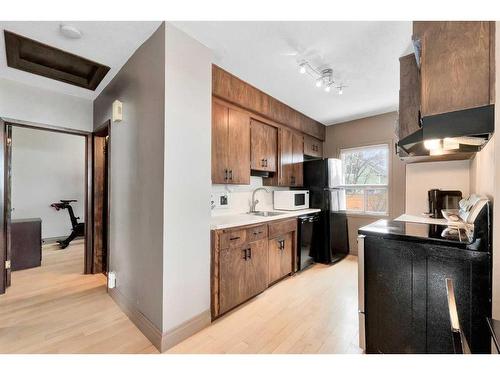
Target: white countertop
column 236, row 220
column 426, row 220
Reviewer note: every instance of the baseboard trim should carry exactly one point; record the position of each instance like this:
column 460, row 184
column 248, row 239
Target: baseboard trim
column 144, row 324
column 183, row 331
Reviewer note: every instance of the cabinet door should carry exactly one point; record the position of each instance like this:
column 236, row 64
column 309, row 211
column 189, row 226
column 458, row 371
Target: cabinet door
column 298, row 160
column 313, row 147
column 395, row 296
column 264, row 147
column 409, row 96
column 220, row 141
column 280, row 257
column 455, row 66
column 470, row 272
column 233, row 288
column 256, row 268
column 286, row 157
column 239, row 147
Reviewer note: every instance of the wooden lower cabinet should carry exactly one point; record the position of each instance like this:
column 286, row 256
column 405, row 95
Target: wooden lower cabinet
column 241, row 273
column 246, row 260
column 280, row 257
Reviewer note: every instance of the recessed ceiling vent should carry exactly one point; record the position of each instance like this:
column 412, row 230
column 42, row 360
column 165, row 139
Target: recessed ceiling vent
column 38, row 58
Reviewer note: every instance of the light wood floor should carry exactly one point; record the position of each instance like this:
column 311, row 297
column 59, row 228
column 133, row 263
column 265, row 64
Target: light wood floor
column 315, row 311
column 56, row 309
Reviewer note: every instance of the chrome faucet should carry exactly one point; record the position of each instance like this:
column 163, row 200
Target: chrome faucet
column 255, row 201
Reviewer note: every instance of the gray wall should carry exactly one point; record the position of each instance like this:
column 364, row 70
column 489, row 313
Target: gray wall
column 54, row 163
column 363, row 132
column 188, row 85
column 137, row 156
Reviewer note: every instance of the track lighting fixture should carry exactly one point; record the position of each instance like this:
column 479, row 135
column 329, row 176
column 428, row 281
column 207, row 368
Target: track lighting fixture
column 323, row 77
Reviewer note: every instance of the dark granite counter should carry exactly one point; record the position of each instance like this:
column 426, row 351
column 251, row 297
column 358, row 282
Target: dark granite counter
column 419, row 232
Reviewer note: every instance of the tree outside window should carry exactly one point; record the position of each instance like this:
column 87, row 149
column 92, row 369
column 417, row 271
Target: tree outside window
column 365, row 172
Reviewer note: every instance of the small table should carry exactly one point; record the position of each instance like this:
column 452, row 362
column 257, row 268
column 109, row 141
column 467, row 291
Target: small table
column 494, row 326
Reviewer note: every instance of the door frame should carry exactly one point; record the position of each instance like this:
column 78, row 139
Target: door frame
column 106, row 126
column 4, row 192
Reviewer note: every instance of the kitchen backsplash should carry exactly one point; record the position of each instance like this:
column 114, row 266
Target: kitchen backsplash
column 239, row 197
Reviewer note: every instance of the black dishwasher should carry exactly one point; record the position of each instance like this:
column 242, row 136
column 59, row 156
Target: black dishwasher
column 307, row 237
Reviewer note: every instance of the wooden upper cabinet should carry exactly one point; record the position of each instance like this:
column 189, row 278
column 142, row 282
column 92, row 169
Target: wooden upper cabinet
column 263, row 146
column 239, row 147
column 220, row 143
column 409, row 96
column 232, row 89
column 456, row 65
column 291, row 158
column 313, row 147
column 298, row 160
column 230, row 145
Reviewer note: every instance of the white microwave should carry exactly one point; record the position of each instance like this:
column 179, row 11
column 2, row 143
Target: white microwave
column 291, row 200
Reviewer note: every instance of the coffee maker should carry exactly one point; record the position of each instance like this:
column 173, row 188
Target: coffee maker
column 443, row 200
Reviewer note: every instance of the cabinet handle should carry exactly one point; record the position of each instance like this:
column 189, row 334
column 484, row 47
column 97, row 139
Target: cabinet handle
column 249, row 253
column 231, row 174
column 244, row 254
column 266, row 163
column 263, row 163
column 281, row 245
column 225, row 174
column 256, row 233
column 234, row 238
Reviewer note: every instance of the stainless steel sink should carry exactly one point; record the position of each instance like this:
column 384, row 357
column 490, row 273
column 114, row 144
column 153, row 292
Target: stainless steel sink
column 265, row 213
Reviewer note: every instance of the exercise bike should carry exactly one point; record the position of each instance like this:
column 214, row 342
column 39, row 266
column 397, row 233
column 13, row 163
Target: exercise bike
column 78, row 228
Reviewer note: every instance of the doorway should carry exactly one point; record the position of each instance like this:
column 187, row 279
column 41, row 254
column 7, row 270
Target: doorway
column 94, row 243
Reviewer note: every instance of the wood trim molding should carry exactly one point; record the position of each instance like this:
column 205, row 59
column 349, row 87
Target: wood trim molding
column 187, row 329
column 149, row 330
column 161, row 340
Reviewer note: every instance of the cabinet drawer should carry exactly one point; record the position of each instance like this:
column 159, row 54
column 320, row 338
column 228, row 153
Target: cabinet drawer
column 282, row 227
column 256, row 233
column 233, row 238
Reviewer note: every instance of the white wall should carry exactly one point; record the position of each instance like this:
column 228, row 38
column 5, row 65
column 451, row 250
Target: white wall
column 27, row 103
column 47, row 167
column 422, row 177
column 240, row 197
column 186, row 254
column 482, row 177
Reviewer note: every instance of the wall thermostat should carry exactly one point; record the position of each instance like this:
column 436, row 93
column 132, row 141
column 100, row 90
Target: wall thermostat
column 117, row 111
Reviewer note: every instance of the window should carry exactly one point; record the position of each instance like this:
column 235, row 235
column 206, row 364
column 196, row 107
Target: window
column 365, row 176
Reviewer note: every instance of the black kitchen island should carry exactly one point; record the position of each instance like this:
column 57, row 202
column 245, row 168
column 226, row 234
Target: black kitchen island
column 403, row 299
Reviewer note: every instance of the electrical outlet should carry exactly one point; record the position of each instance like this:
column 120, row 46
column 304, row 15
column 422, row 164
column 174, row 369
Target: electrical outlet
column 222, row 200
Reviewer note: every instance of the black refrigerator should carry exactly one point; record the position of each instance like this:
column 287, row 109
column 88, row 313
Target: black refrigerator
column 323, row 180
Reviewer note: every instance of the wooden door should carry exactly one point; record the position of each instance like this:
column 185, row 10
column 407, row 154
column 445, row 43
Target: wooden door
column 233, row 288
column 455, row 66
column 256, row 268
column 238, row 155
column 280, row 257
column 100, row 199
column 298, row 160
column 264, row 147
column 220, row 142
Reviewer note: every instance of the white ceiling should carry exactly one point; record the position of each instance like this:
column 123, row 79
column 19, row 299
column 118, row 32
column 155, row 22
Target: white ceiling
column 108, row 43
column 364, row 56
